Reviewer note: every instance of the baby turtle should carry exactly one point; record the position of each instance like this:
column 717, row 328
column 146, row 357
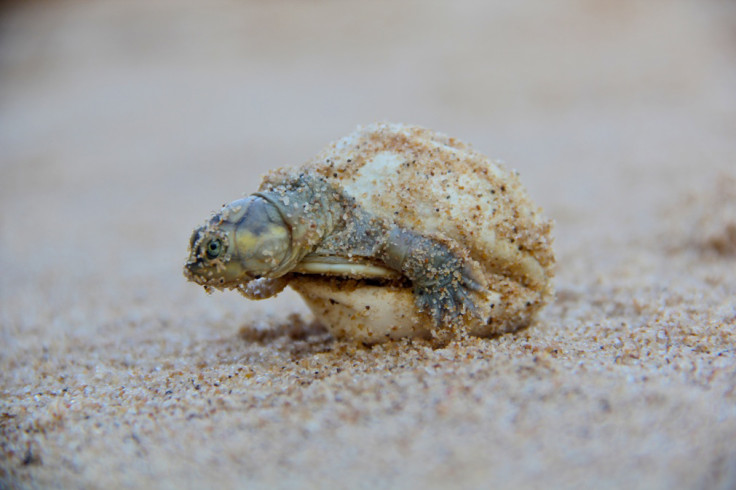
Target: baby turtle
column 391, row 231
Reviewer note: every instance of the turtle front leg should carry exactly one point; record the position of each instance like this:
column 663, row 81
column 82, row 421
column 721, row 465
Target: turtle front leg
column 262, row 288
column 442, row 281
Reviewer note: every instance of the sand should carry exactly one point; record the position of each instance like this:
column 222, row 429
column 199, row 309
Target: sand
column 122, row 124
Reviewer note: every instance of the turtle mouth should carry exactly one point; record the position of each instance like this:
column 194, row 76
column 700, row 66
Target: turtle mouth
column 194, row 271
column 219, row 273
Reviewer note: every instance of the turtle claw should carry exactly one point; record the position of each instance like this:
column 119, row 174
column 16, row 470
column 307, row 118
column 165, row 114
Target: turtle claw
column 466, row 303
column 448, row 303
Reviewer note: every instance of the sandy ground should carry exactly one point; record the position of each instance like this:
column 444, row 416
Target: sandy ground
column 123, row 124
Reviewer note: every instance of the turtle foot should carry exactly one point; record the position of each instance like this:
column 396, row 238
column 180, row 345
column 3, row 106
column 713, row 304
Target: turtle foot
column 444, row 281
column 448, row 301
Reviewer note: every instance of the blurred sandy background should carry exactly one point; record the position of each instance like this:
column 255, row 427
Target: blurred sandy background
column 123, row 124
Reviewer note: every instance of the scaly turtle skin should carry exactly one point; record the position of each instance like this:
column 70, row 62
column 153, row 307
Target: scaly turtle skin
column 392, row 231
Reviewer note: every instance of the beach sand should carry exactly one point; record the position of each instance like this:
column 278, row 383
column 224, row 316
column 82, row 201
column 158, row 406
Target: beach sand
column 123, row 124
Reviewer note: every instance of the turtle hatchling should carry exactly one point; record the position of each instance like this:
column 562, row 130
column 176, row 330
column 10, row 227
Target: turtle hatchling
column 392, row 231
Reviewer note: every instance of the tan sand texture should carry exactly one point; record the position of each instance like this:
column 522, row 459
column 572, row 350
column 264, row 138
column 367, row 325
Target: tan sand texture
column 123, row 123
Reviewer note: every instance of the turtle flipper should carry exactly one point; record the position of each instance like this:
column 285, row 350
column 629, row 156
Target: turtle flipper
column 443, row 281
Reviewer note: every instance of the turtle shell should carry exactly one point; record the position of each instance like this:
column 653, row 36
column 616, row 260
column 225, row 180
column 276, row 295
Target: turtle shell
column 439, row 187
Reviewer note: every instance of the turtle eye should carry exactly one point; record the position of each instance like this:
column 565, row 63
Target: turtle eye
column 213, row 248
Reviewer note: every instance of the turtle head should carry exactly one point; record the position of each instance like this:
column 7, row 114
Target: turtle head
column 248, row 239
